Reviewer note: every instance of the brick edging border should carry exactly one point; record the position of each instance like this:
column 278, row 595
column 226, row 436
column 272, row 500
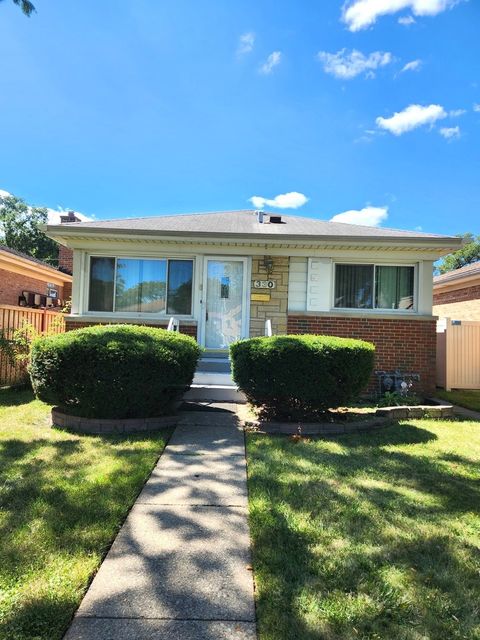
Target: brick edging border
column 95, row 426
column 383, row 417
column 316, row 428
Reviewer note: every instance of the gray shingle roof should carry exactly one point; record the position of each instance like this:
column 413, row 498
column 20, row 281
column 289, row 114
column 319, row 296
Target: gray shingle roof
column 245, row 223
column 458, row 274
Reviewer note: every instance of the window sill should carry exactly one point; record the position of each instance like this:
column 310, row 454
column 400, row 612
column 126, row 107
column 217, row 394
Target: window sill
column 365, row 314
column 137, row 319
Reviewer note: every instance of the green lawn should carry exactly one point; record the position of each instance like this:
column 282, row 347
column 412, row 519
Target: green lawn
column 373, row 536
column 62, row 500
column 469, row 398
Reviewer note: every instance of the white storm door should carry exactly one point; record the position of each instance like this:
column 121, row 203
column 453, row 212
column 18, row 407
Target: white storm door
column 224, row 312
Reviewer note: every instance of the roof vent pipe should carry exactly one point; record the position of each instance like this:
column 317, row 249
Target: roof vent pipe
column 260, row 215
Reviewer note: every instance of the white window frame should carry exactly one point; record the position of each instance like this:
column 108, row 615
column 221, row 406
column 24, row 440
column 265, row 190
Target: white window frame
column 374, row 309
column 138, row 314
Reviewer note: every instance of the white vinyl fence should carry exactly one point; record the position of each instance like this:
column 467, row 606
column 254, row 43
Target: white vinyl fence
column 458, row 354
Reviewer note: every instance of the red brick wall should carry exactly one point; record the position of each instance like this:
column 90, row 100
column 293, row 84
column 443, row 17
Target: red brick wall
column 65, row 259
column 408, row 345
column 67, row 291
column 12, row 284
column 459, row 295
column 73, row 323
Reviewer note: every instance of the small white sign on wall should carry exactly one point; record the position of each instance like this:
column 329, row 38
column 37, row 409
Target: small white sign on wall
column 264, row 284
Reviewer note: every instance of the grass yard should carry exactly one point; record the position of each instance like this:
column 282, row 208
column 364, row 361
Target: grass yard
column 62, row 500
column 368, row 537
column 469, row 398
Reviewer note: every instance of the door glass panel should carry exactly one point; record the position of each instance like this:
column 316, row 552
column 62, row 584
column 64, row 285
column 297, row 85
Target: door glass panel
column 223, row 321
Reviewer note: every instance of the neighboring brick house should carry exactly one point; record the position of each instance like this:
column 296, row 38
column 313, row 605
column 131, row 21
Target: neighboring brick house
column 26, row 281
column 456, row 294
column 222, row 275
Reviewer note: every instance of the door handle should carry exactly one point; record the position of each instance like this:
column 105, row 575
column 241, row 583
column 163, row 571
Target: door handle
column 206, row 316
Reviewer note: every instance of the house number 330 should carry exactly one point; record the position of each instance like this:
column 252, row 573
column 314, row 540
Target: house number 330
column 264, row 284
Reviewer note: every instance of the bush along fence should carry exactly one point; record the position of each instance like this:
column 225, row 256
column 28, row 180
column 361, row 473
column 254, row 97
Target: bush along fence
column 18, row 327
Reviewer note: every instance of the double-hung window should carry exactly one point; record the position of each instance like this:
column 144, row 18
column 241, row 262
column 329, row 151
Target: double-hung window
column 137, row 285
column 370, row 286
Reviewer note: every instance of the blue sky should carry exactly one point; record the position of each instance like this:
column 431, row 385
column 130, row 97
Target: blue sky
column 126, row 108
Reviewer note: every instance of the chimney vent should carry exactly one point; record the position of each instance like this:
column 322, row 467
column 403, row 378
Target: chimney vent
column 70, row 217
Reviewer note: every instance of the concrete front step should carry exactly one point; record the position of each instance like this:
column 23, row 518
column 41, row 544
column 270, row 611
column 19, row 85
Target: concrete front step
column 213, row 382
column 215, row 365
column 213, row 377
column 214, row 393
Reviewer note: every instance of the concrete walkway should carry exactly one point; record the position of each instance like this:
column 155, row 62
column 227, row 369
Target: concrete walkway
column 180, row 567
column 461, row 411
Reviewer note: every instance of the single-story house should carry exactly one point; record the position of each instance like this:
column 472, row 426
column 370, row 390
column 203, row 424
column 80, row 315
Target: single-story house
column 28, row 282
column 223, row 275
column 456, row 294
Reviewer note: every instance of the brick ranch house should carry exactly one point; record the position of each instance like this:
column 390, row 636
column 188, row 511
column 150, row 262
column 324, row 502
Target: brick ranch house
column 28, row 282
column 222, row 275
column 456, row 294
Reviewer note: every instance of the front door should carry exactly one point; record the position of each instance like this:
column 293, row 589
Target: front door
column 224, row 302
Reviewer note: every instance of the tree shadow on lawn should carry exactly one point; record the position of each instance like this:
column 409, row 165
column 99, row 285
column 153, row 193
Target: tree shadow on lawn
column 363, row 542
column 54, row 510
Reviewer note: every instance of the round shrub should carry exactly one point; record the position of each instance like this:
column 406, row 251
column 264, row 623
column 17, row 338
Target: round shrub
column 298, row 376
column 113, row 371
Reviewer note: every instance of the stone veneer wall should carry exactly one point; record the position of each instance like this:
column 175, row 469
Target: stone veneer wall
column 189, row 329
column 274, row 309
column 406, row 344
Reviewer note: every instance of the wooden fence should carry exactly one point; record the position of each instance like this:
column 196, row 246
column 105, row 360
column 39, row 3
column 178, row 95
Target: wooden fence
column 13, row 318
column 458, row 354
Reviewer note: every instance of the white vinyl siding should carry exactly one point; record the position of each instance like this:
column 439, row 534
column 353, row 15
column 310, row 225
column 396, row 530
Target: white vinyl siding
column 425, row 287
column 297, row 284
column 319, row 284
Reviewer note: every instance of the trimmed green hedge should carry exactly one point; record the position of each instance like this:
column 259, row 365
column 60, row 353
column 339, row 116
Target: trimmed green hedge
column 300, row 375
column 113, row 371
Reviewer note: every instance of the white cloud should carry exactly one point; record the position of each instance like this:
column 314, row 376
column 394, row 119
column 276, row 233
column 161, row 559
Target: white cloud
column 450, row 133
column 246, row 43
column 361, row 14
column 406, row 21
column 414, row 65
column 272, row 61
column 348, row 65
column 53, row 214
column 412, row 117
column 291, row 200
column 455, row 113
column 476, row 107
column 369, row 216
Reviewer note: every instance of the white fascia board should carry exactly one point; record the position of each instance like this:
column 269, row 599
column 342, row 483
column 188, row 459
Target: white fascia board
column 143, row 247
column 78, row 238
